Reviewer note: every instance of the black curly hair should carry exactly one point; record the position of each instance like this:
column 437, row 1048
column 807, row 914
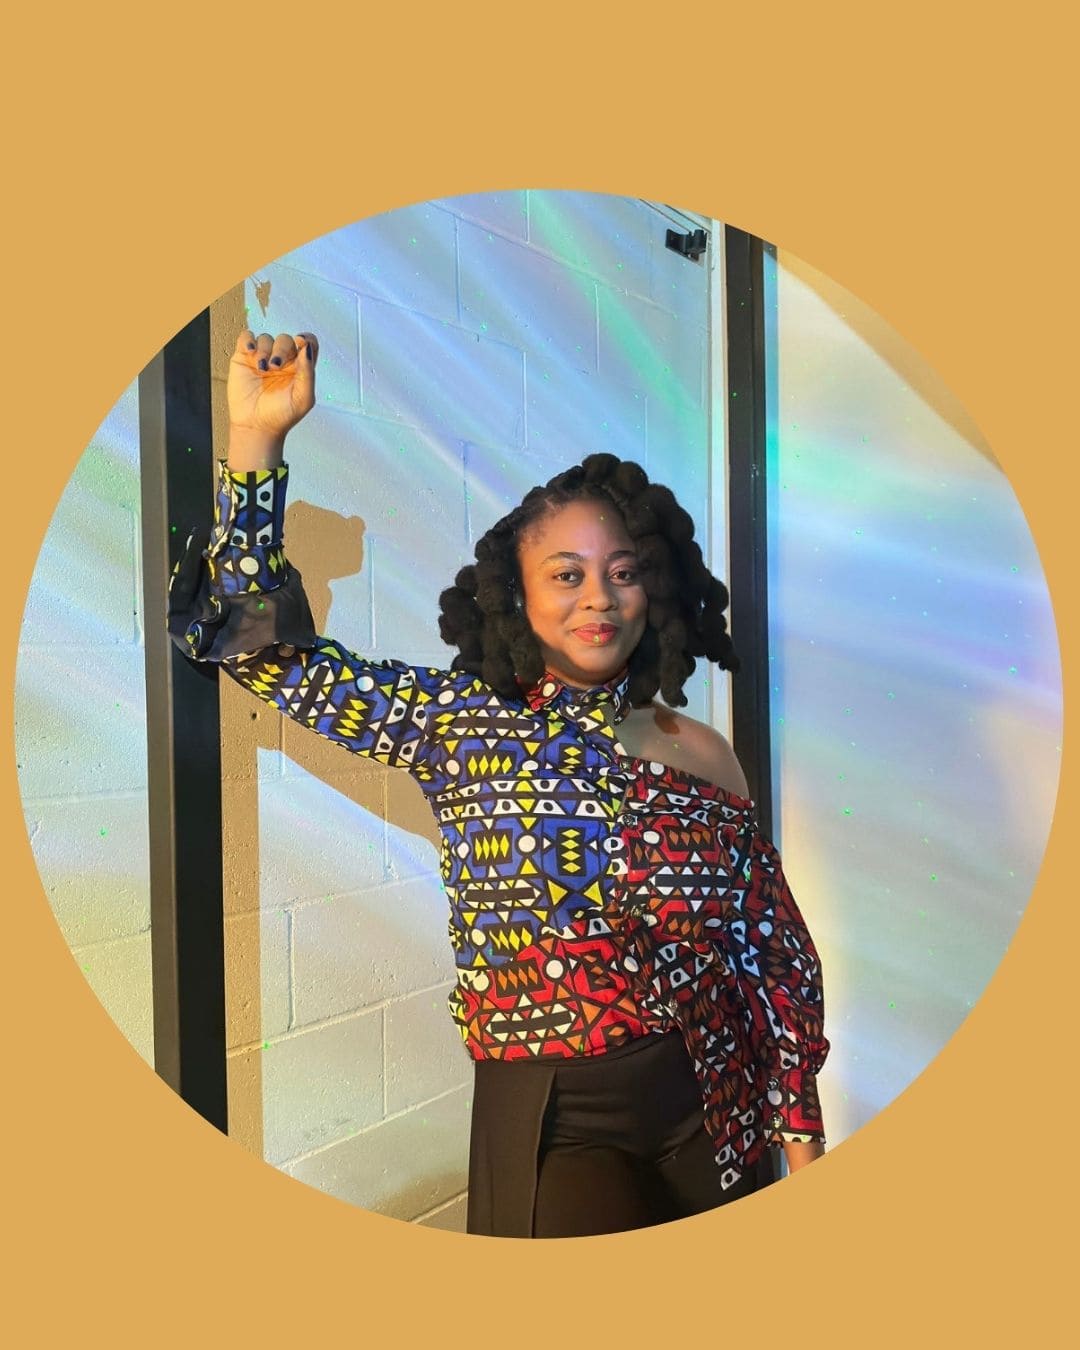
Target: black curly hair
column 685, row 618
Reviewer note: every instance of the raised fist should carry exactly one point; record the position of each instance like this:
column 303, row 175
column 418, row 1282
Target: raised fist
column 271, row 381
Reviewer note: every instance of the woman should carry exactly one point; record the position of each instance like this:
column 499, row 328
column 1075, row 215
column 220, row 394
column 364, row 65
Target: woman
column 635, row 983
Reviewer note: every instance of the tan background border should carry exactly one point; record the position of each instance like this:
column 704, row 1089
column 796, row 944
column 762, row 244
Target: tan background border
column 918, row 155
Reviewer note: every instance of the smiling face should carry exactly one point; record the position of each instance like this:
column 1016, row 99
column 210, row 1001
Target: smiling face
column 583, row 594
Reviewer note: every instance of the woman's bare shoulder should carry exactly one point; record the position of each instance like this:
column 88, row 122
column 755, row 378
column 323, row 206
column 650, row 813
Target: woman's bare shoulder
column 676, row 738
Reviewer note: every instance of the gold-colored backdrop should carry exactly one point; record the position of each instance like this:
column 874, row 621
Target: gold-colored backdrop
column 920, row 157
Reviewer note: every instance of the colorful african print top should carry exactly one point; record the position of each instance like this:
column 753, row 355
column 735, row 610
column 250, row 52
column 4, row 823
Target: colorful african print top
column 594, row 897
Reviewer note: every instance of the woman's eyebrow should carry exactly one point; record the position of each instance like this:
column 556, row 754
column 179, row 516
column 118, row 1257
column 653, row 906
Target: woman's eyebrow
column 577, row 557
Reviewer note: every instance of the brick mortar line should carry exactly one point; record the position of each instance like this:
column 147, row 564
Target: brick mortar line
column 293, row 1033
column 430, row 1213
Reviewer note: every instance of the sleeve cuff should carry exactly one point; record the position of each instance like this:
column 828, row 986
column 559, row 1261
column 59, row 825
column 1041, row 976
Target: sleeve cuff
column 249, row 508
column 233, row 591
column 244, row 553
column 791, row 1106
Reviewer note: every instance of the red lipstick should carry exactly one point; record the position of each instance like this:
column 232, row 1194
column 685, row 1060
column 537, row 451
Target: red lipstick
column 596, row 634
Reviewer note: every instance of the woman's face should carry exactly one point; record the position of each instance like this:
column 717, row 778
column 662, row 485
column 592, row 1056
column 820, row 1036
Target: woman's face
column 583, row 595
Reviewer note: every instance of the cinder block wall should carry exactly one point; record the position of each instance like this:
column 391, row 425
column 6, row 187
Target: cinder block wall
column 80, row 724
column 469, row 349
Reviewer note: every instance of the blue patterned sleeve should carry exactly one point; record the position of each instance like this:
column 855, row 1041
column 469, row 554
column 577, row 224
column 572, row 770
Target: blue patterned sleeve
column 235, row 599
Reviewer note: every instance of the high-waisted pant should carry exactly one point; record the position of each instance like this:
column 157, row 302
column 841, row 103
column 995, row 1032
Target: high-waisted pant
column 601, row 1144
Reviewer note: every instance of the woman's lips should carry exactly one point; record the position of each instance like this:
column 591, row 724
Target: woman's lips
column 596, row 634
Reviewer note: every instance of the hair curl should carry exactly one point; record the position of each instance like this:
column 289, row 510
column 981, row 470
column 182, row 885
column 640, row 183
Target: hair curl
column 685, row 616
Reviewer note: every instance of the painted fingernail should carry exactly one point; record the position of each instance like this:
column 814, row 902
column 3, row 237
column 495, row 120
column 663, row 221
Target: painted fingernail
column 309, row 355
column 275, row 360
column 251, row 346
column 262, row 363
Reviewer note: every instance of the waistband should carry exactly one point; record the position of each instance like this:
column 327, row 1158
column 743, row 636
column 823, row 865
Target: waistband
column 647, row 1041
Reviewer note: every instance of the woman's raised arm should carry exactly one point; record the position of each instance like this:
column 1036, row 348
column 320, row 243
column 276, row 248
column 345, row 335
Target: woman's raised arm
column 235, row 599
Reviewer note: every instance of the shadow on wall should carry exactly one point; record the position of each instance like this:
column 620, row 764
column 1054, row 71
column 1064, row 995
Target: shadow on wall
column 324, row 547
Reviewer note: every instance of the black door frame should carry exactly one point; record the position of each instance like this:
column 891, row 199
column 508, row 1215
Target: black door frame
column 183, row 728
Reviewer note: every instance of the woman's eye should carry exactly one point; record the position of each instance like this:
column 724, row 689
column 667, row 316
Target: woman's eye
column 624, row 576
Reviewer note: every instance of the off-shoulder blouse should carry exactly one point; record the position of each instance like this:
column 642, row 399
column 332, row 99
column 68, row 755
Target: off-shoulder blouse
column 594, row 896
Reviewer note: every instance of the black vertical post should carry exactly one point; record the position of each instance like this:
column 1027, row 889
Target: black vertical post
column 744, row 290
column 183, row 736
column 749, row 582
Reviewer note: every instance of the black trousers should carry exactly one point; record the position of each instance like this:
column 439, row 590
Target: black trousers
column 602, row 1144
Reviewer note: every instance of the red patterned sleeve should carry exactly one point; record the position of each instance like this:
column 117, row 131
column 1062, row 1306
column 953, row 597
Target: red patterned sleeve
column 779, row 972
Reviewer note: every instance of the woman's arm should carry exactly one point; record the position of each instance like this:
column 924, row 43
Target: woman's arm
column 798, row 1153
column 235, row 599
column 777, row 966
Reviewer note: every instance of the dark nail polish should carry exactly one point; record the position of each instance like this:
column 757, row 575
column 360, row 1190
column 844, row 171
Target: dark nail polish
column 275, row 360
column 309, row 355
column 251, row 346
column 262, row 363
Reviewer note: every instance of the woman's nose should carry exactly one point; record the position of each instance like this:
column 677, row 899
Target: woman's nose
column 598, row 593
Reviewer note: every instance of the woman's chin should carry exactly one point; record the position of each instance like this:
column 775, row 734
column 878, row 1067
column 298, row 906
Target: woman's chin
column 588, row 667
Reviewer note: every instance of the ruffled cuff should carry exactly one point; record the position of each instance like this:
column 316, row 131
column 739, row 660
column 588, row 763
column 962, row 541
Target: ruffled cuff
column 233, row 591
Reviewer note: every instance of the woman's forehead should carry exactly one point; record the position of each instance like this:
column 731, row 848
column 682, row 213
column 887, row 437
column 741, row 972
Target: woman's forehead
column 587, row 527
